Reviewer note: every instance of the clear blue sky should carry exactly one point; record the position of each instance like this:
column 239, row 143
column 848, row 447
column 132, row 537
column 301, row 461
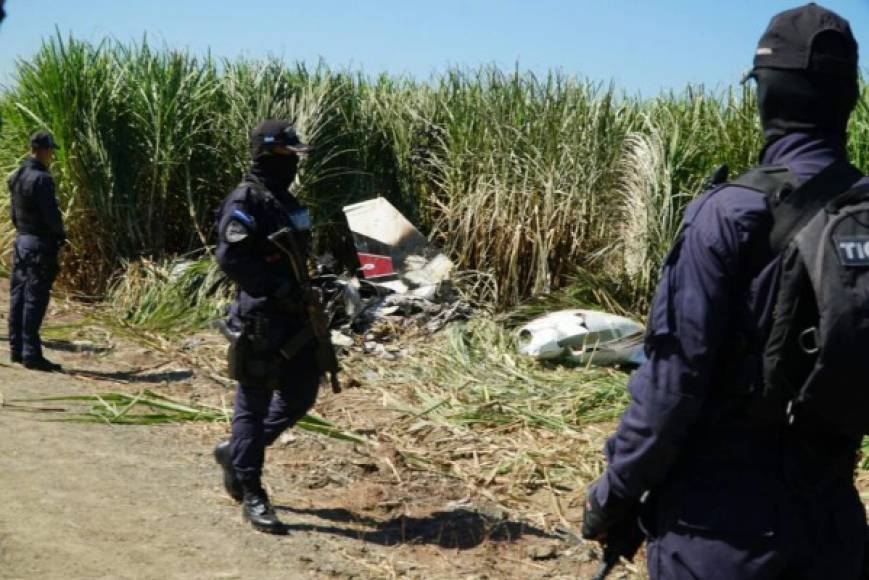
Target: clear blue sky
column 643, row 45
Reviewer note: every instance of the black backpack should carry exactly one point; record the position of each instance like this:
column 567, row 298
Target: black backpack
column 816, row 358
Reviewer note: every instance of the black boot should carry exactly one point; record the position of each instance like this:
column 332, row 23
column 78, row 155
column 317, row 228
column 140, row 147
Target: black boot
column 257, row 509
column 15, row 357
column 41, row 363
column 223, row 457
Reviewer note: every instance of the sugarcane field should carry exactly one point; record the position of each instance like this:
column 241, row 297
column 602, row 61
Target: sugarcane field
column 476, row 290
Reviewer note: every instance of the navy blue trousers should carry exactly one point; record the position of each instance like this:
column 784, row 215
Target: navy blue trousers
column 746, row 524
column 34, row 268
column 261, row 415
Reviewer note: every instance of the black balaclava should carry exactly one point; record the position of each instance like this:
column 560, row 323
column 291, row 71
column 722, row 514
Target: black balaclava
column 807, row 74
column 790, row 101
column 277, row 172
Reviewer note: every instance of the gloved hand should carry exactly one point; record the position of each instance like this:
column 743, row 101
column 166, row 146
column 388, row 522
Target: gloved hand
column 598, row 519
column 615, row 525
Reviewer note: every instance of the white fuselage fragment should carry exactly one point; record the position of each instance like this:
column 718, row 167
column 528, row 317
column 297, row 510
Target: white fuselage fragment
column 583, row 337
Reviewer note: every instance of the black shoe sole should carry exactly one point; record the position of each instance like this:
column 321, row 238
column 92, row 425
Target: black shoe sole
column 42, row 369
column 276, row 530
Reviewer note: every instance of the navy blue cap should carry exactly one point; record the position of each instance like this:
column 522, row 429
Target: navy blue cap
column 274, row 132
column 43, row 140
column 811, row 39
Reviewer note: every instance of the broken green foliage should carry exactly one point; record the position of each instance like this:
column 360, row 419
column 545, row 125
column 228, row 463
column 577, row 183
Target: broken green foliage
column 149, row 408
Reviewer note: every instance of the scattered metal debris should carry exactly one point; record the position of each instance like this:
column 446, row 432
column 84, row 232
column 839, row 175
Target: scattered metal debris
column 392, row 252
column 583, row 337
column 404, row 283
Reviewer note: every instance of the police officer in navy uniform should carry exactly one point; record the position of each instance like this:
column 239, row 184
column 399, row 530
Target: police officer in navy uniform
column 725, row 488
column 276, row 389
column 40, row 234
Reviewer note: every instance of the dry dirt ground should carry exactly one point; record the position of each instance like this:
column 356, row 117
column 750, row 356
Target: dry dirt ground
column 110, row 501
column 87, row 501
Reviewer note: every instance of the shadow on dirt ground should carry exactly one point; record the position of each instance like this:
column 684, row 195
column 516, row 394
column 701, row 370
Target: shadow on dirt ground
column 68, row 345
column 133, row 376
column 71, row 346
column 457, row 529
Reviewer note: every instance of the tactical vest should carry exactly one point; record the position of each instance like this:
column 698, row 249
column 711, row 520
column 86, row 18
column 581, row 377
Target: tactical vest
column 26, row 214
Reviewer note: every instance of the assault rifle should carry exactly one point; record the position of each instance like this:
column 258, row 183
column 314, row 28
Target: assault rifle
column 285, row 241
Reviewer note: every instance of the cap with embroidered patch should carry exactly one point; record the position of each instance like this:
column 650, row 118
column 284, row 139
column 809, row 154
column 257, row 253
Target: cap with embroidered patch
column 809, row 38
column 274, row 132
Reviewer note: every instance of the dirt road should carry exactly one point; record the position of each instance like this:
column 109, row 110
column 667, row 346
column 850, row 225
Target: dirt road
column 92, row 501
column 86, row 501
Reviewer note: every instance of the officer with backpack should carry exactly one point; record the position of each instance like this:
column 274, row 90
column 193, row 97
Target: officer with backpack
column 736, row 456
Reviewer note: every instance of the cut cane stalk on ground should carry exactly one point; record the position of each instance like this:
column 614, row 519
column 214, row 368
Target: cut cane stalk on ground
column 150, row 408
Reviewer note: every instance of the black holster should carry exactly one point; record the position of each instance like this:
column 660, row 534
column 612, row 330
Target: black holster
column 238, row 352
column 251, row 361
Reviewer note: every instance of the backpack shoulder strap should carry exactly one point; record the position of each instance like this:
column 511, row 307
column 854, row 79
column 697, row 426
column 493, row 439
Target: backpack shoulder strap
column 794, row 204
column 857, row 194
column 793, row 211
column 776, row 181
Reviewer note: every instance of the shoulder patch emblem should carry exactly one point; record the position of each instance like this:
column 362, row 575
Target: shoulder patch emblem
column 235, row 232
column 241, row 224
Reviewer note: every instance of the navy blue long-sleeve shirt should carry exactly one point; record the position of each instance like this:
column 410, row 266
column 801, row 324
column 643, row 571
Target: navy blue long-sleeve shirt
column 248, row 215
column 717, row 288
column 35, row 210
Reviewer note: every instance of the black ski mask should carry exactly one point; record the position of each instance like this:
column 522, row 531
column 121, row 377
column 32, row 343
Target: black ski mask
column 790, row 101
column 276, row 171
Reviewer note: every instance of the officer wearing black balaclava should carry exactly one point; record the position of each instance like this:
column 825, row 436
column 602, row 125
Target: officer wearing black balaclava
column 711, row 469
column 275, row 389
column 806, row 85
